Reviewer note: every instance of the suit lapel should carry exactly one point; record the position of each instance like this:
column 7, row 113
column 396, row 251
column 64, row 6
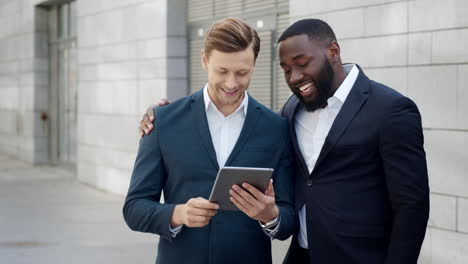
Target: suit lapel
column 200, row 124
column 292, row 130
column 254, row 112
column 356, row 98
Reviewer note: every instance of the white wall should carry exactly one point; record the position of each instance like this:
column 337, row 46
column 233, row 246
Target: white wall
column 418, row 47
column 131, row 52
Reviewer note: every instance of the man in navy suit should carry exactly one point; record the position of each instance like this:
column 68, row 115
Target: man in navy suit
column 194, row 137
column 361, row 191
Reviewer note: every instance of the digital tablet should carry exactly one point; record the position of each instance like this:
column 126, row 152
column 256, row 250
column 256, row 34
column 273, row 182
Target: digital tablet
column 228, row 176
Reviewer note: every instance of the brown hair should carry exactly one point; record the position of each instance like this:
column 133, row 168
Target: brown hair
column 231, row 35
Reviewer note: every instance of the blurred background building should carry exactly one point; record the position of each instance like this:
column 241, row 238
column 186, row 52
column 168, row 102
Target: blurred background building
column 76, row 76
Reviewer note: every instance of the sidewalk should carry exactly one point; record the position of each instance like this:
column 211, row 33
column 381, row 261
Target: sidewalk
column 46, row 217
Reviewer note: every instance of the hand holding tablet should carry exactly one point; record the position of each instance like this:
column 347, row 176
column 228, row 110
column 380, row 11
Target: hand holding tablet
column 229, row 176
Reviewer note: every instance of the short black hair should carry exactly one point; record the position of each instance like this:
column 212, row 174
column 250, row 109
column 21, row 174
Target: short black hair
column 313, row 28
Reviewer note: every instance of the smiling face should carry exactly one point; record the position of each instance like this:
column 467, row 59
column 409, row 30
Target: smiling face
column 307, row 69
column 229, row 75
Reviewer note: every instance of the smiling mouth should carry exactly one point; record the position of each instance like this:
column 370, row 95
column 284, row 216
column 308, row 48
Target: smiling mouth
column 307, row 88
column 230, row 93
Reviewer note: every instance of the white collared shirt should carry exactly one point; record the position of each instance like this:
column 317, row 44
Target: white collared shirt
column 312, row 128
column 224, row 130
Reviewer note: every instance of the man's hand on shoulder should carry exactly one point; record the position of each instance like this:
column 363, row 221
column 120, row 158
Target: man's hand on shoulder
column 146, row 123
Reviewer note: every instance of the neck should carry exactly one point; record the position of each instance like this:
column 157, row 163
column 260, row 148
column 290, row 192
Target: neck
column 340, row 76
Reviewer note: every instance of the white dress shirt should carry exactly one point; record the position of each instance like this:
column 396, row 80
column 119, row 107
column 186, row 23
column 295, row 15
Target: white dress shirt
column 312, row 128
column 225, row 130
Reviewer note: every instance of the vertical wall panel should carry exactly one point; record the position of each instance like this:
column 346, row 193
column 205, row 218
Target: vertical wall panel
column 200, row 10
column 281, row 88
column 283, row 6
column 260, row 86
column 197, row 74
column 227, row 8
column 256, row 5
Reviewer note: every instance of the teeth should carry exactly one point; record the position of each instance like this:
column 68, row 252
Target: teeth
column 229, row 91
column 305, row 87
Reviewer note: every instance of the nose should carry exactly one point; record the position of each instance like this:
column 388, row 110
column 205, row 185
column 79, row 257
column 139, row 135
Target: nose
column 231, row 82
column 295, row 76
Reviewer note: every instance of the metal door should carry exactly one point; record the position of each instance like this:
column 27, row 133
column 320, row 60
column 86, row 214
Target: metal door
column 63, row 99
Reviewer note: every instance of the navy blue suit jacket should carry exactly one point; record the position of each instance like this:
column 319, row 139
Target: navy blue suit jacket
column 367, row 199
column 178, row 159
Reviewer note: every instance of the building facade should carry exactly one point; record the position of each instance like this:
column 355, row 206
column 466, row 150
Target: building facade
column 76, row 76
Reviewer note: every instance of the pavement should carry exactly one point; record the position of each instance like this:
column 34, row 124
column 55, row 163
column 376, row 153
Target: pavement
column 48, row 217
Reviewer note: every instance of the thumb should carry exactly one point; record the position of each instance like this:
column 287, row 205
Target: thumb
column 270, row 191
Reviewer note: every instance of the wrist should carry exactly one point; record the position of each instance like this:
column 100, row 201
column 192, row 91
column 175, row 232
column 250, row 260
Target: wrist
column 177, row 219
column 274, row 215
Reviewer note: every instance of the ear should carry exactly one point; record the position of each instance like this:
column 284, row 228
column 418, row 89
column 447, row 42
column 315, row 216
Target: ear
column 204, row 60
column 334, row 51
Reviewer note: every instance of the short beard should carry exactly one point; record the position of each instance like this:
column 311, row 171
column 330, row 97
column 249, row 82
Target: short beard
column 324, row 89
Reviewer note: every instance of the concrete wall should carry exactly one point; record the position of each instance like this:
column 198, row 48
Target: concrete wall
column 419, row 48
column 131, row 52
column 23, row 81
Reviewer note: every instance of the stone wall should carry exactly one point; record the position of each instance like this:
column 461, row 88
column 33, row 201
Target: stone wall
column 131, row 52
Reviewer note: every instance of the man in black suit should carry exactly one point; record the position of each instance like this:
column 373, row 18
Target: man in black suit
column 362, row 191
column 362, row 188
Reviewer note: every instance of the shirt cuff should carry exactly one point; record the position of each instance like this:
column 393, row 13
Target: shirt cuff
column 175, row 230
column 271, row 228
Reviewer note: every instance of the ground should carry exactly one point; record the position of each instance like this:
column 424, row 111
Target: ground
column 48, row 217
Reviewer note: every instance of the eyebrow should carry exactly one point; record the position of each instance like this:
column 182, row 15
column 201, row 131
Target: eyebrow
column 225, row 69
column 294, row 58
column 298, row 56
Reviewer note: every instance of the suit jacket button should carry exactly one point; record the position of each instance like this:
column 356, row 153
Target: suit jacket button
column 309, row 182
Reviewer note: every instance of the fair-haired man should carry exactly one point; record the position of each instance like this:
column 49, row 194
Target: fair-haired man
column 220, row 125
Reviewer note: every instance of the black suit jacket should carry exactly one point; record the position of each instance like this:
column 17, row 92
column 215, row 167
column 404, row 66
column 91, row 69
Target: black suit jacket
column 367, row 199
